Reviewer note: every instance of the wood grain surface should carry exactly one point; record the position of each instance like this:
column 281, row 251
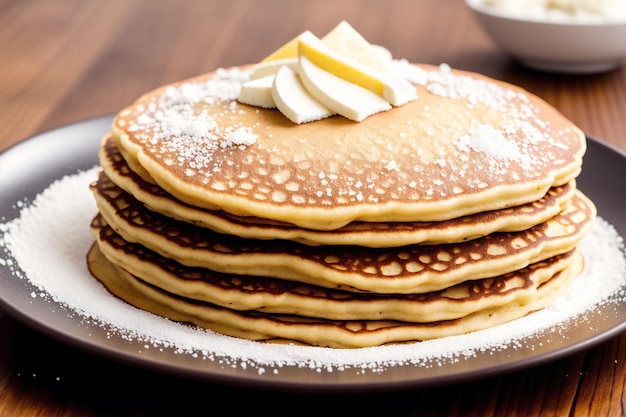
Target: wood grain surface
column 64, row 61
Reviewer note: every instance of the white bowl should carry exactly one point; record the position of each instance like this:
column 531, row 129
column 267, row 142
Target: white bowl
column 588, row 46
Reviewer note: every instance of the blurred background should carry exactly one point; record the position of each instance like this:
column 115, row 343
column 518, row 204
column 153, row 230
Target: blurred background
column 67, row 60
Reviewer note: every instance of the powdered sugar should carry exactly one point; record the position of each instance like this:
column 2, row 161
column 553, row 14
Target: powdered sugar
column 500, row 146
column 57, row 269
column 242, row 136
column 446, row 83
column 490, row 141
column 172, row 120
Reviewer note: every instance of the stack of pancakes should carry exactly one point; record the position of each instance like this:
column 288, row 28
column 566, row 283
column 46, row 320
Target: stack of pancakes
column 455, row 212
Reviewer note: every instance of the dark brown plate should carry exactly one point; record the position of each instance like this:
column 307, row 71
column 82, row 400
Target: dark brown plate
column 30, row 166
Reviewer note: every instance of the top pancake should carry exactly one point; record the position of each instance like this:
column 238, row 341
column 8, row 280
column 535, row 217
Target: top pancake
column 466, row 145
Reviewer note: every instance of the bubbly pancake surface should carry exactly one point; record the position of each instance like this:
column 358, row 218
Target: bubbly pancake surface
column 379, row 234
column 406, row 269
column 289, row 328
column 467, row 144
column 278, row 296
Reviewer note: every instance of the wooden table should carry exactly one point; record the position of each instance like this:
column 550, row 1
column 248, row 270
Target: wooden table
column 67, row 60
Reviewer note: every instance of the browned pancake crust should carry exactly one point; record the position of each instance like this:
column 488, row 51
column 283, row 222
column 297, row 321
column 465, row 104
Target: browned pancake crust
column 278, row 296
column 407, row 269
column 379, row 234
column 285, row 328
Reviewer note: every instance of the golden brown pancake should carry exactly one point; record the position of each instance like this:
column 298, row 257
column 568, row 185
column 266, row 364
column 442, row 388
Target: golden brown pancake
column 277, row 296
column 255, row 325
column 381, row 234
column 466, row 145
column 406, row 269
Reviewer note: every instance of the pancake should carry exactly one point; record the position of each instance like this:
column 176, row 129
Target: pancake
column 347, row 207
column 406, row 269
column 466, row 145
column 276, row 296
column 380, row 234
column 255, row 325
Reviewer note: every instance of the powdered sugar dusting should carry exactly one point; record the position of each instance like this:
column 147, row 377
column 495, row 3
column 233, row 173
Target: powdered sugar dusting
column 241, row 136
column 57, row 269
column 514, row 103
column 172, row 120
column 490, row 141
